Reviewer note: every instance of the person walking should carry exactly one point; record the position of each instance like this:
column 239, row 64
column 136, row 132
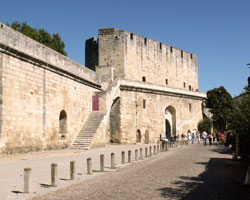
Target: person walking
column 189, row 136
column 222, row 138
column 198, row 137
column 204, row 136
column 214, row 136
column 210, row 137
column 193, row 136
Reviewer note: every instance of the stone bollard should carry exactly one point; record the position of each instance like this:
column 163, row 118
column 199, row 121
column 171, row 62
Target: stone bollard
column 89, row 166
column 136, row 155
column 123, row 157
column 154, row 150
column 165, row 147
column 247, row 178
column 102, row 162
column 146, row 152
column 26, row 180
column 129, row 156
column 150, row 151
column 112, row 160
column 54, row 174
column 141, row 153
column 72, row 170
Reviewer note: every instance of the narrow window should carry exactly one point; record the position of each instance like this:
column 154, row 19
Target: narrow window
column 144, row 104
column 144, row 79
column 1, row 26
column 191, row 55
column 184, row 84
column 131, row 36
column 190, row 107
column 181, row 53
column 190, row 88
column 145, row 41
column 166, row 81
column 160, row 45
column 171, row 49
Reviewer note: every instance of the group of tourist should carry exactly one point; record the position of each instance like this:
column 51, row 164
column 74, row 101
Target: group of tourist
column 192, row 136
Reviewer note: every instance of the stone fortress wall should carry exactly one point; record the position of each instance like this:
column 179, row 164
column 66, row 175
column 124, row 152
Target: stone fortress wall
column 135, row 57
column 46, row 99
column 162, row 95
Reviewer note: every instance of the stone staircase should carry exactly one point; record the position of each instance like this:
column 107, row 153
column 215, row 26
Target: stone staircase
column 87, row 133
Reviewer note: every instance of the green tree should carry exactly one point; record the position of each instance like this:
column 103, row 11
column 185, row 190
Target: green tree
column 240, row 123
column 220, row 104
column 54, row 42
column 45, row 38
column 205, row 125
column 58, row 44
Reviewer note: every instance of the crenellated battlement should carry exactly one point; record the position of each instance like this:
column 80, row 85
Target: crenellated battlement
column 136, row 57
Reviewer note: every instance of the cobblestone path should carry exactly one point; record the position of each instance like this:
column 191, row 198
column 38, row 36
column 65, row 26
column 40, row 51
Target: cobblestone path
column 190, row 172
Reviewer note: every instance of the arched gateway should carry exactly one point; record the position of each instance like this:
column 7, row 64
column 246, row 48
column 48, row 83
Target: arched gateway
column 170, row 122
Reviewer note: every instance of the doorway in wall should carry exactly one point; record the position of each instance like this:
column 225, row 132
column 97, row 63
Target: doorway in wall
column 167, row 128
column 63, row 124
column 138, row 136
column 170, row 122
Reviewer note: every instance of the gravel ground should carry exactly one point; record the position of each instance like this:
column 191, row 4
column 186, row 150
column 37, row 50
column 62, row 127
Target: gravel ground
column 190, row 172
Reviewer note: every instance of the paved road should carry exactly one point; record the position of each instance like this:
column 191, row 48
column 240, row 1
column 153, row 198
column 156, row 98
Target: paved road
column 191, row 172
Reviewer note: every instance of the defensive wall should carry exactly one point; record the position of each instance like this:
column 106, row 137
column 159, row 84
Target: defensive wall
column 46, row 98
column 159, row 87
column 134, row 89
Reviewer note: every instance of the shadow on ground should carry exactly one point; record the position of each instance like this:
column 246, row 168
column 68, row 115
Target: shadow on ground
column 222, row 150
column 222, row 179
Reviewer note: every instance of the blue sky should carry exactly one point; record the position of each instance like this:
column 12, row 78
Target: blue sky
column 218, row 31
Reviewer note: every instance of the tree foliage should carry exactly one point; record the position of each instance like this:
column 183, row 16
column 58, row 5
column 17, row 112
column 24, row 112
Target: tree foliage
column 240, row 122
column 41, row 35
column 220, row 104
column 205, row 125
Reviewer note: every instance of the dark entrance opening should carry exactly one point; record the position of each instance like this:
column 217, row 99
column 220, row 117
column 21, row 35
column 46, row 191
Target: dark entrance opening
column 138, row 136
column 63, row 124
column 167, row 128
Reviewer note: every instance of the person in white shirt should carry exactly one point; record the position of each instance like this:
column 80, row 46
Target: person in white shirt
column 204, row 136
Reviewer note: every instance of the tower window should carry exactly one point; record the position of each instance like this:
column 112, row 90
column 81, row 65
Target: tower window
column 144, row 104
column 145, row 41
column 190, row 87
column 131, row 36
column 160, row 45
column 184, row 84
column 191, row 56
column 181, row 53
column 166, row 81
column 144, row 79
column 190, row 107
column 171, row 49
